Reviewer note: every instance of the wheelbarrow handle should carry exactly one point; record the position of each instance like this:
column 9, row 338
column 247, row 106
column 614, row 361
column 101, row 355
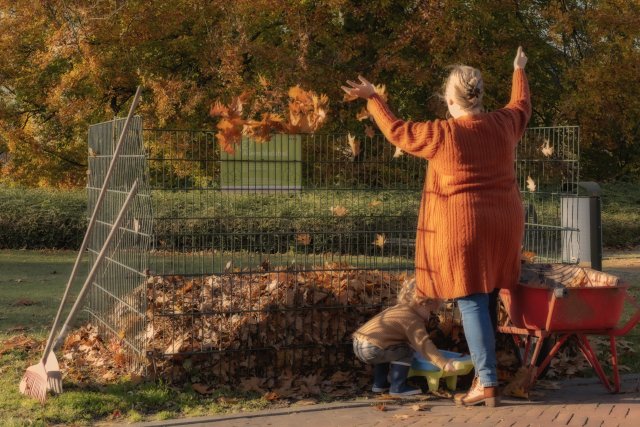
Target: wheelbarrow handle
column 623, row 330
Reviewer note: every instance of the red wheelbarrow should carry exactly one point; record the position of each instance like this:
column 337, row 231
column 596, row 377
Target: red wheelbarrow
column 568, row 301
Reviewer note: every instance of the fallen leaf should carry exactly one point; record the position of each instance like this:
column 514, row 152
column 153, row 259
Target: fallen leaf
column 271, row 396
column 369, row 131
column 401, row 417
column 375, row 203
column 547, row 150
column 306, row 402
column 338, row 210
column 421, row 407
column 24, row 302
column 252, row 384
column 354, row 144
column 398, row 153
column 202, row 389
column 531, row 185
column 380, row 407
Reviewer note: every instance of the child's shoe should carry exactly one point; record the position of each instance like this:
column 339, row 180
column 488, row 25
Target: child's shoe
column 398, row 375
column 380, row 381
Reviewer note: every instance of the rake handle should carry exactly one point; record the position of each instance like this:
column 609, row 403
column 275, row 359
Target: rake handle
column 96, row 265
column 92, row 221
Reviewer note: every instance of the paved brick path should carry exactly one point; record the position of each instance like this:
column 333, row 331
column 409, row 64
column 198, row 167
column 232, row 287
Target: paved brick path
column 577, row 403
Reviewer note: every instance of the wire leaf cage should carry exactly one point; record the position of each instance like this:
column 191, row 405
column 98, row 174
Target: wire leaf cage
column 264, row 261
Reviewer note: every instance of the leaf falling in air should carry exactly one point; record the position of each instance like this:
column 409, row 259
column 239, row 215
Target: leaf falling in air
column 380, row 240
column 528, row 256
column 338, row 210
column 349, row 98
column 303, row 239
column 547, row 149
column 363, row 114
column 531, row 184
column 398, row 153
column 263, row 81
column 369, row 131
column 354, row 144
column 381, row 90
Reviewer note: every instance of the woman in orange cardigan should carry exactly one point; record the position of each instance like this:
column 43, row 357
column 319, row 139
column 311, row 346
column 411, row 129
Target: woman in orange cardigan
column 471, row 219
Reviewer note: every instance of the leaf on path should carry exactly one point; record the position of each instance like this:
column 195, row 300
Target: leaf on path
column 401, row 417
column 380, row 407
column 421, row 407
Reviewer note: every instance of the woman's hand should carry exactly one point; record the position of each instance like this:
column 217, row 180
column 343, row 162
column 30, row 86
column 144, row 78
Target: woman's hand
column 364, row 89
column 521, row 59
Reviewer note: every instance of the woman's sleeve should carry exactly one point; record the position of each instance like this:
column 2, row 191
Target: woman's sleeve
column 421, row 139
column 518, row 110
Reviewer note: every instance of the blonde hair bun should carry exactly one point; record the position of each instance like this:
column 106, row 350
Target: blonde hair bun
column 465, row 86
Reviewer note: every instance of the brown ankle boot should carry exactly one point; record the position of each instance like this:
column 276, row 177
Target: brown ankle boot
column 478, row 394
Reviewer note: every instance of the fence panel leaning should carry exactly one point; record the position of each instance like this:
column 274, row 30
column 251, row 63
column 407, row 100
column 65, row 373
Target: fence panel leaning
column 261, row 263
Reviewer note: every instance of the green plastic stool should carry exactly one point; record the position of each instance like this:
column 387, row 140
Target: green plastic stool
column 420, row 367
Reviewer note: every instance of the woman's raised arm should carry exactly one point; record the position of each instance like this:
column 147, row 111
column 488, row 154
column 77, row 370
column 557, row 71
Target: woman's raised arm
column 420, row 139
column 519, row 106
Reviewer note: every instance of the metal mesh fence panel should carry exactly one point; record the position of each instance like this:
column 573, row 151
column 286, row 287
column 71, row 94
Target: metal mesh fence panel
column 116, row 301
column 265, row 260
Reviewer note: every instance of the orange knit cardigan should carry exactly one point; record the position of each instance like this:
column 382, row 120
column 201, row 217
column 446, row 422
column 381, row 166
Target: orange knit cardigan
column 471, row 220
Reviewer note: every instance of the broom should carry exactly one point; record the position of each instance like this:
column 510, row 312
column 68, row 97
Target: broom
column 45, row 375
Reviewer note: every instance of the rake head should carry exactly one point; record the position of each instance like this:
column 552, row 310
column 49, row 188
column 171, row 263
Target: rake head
column 34, row 383
column 42, row 377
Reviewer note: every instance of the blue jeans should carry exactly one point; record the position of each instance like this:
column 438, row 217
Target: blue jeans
column 479, row 332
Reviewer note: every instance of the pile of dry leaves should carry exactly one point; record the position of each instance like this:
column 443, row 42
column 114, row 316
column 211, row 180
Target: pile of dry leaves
column 284, row 332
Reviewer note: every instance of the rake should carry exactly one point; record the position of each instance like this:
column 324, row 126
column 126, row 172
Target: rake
column 49, row 363
column 46, row 375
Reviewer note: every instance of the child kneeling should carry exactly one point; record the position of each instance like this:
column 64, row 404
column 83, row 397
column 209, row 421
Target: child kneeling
column 389, row 340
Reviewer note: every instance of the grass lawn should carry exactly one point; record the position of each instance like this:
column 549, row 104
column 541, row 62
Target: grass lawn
column 31, row 285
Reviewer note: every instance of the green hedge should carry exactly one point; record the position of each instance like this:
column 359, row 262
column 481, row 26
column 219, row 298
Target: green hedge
column 37, row 219
column 42, row 219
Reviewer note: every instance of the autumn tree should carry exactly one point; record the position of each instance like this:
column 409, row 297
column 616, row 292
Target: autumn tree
column 69, row 63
